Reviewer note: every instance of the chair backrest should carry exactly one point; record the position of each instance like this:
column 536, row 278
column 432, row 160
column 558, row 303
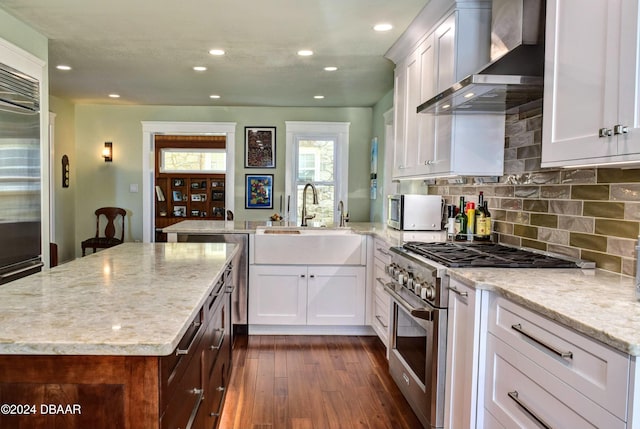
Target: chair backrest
column 111, row 213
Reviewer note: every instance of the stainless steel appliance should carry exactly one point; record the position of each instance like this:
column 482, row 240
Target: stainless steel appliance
column 420, row 300
column 20, row 176
column 513, row 78
column 240, row 295
column 414, row 212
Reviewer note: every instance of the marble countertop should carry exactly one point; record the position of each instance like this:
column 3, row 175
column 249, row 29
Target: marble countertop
column 391, row 236
column 597, row 303
column 132, row 299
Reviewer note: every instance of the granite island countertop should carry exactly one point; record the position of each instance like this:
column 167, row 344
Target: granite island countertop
column 600, row 304
column 134, row 299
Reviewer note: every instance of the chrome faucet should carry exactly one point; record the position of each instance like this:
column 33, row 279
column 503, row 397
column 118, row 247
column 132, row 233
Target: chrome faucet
column 343, row 217
column 305, row 218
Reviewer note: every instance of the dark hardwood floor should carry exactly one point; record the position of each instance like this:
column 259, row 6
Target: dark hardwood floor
column 313, row 382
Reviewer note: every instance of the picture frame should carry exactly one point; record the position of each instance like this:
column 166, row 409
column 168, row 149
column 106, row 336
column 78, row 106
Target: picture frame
column 260, row 147
column 177, row 195
column 177, row 183
column 259, row 191
column 180, row 211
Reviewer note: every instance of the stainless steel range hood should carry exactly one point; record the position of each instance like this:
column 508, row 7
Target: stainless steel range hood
column 513, row 80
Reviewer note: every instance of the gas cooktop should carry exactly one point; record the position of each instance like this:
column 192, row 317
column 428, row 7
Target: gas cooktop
column 486, row 255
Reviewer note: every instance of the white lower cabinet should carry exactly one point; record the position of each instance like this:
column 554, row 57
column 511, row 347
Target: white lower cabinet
column 381, row 299
column 539, row 372
column 306, row 295
column 509, row 367
column 463, row 354
column 522, row 394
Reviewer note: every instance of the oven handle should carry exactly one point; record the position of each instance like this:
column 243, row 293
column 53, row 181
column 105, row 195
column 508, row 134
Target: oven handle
column 425, row 313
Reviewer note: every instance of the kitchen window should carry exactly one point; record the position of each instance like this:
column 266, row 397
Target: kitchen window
column 317, row 153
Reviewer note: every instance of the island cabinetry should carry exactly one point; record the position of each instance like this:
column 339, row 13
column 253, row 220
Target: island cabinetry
column 592, row 78
column 306, row 295
column 539, row 372
column 184, row 389
column 382, row 300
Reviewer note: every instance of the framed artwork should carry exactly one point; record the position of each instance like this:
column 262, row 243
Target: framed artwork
column 260, row 147
column 259, row 190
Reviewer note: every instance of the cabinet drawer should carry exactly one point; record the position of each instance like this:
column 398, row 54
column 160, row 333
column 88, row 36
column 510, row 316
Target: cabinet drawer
column 381, row 251
column 173, row 366
column 186, row 396
column 518, row 392
column 595, row 370
column 381, row 312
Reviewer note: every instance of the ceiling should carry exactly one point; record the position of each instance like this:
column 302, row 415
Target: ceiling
column 145, row 50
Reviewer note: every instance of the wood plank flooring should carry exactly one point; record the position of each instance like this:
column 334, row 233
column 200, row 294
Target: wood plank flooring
column 313, row 382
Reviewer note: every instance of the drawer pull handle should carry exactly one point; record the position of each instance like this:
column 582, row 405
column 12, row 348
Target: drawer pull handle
column 219, row 412
column 454, row 289
column 219, row 345
column 381, row 322
column 384, row 252
column 194, row 412
column 564, row 355
column 193, row 340
column 514, row 395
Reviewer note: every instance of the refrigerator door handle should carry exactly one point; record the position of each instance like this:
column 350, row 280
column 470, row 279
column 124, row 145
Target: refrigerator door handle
column 21, row 270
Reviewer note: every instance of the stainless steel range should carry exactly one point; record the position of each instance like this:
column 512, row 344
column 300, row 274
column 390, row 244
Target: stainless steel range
column 420, row 299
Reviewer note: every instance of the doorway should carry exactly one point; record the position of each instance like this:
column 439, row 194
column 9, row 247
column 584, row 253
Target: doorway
column 151, row 129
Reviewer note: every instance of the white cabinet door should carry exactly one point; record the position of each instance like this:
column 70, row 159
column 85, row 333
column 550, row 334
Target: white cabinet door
column 400, row 113
column 462, row 357
column 336, row 295
column 591, row 83
column 277, row 294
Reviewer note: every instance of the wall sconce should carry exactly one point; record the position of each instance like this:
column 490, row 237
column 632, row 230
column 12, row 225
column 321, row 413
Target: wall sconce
column 107, row 152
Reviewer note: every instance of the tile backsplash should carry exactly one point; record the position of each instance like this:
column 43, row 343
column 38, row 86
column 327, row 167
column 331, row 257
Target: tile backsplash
column 588, row 213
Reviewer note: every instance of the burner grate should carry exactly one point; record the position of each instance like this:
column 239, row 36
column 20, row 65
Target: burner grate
column 485, row 255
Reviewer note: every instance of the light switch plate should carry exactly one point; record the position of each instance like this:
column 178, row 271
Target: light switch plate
column 133, row 188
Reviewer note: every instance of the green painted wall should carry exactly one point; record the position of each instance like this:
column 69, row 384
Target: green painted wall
column 64, row 205
column 100, row 184
column 380, row 108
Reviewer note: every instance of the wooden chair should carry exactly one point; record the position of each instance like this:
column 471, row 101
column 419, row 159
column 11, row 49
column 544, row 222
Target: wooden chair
column 108, row 240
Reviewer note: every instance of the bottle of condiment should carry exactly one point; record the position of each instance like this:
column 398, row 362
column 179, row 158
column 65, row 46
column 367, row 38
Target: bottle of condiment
column 471, row 219
column 481, row 222
column 460, row 225
column 487, row 219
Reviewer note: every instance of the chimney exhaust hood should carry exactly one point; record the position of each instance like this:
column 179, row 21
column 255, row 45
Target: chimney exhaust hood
column 513, row 80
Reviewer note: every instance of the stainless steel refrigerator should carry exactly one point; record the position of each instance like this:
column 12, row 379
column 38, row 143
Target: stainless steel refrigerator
column 20, row 176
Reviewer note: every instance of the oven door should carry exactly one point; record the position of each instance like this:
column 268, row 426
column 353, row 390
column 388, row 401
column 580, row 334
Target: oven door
column 417, row 359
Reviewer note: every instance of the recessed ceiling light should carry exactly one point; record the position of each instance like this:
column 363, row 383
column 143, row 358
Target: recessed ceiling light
column 214, row 96
column 114, row 95
column 217, row 52
column 199, row 68
column 318, row 97
column 305, row 53
column 63, row 67
column 331, row 68
column 469, row 95
column 382, row 27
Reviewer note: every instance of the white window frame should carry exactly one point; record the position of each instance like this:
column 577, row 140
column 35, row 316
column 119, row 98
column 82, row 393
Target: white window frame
column 338, row 131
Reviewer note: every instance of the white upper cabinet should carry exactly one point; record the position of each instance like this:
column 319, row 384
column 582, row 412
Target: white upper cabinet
column 451, row 49
column 591, row 83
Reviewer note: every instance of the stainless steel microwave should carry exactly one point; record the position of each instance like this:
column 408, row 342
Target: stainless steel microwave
column 414, row 212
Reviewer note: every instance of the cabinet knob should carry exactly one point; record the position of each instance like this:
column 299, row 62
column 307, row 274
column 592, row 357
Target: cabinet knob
column 620, row 129
column 605, row 132
column 302, row 276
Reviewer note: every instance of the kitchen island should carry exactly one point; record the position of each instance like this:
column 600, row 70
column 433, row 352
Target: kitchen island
column 127, row 338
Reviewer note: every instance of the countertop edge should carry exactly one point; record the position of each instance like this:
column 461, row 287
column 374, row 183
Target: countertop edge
column 590, row 331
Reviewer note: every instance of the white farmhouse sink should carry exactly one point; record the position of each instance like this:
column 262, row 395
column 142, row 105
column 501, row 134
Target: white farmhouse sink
column 308, row 246
column 295, row 230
